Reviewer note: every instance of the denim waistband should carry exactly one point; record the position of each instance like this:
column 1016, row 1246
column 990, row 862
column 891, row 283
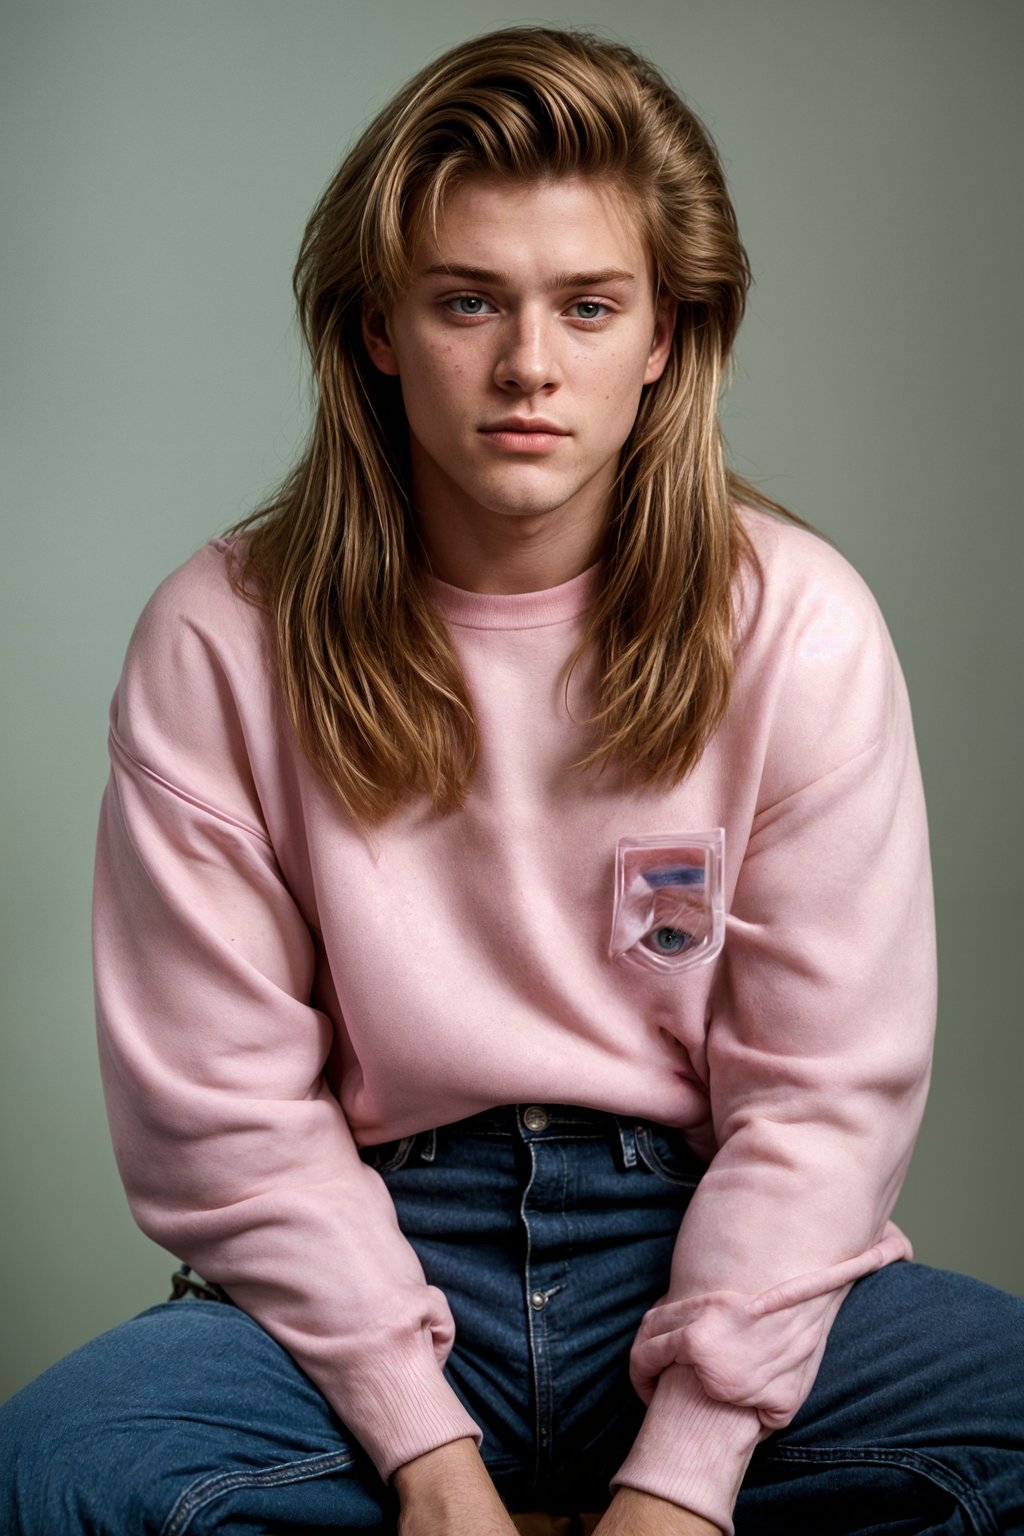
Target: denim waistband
column 512, row 1118
column 541, row 1122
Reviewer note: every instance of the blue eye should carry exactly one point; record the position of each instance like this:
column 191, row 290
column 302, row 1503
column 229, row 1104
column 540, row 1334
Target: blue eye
column 589, row 309
column 468, row 304
column 668, row 941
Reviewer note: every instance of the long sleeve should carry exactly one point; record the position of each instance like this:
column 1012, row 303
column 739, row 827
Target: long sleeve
column 234, row 1153
column 818, row 1045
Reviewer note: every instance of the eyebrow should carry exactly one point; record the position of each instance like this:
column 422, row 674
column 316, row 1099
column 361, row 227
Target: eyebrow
column 503, row 279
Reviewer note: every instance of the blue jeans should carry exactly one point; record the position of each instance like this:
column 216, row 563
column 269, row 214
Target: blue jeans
column 550, row 1230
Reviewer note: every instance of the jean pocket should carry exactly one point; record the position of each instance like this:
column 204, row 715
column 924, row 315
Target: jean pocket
column 388, row 1156
column 665, row 1151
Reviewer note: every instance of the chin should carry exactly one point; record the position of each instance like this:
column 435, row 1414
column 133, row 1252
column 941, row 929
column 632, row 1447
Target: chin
column 535, row 501
column 522, row 512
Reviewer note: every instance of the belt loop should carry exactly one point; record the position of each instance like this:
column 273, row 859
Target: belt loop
column 428, row 1151
column 627, row 1136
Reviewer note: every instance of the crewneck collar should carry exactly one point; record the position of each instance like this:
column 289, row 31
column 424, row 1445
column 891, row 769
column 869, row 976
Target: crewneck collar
column 515, row 610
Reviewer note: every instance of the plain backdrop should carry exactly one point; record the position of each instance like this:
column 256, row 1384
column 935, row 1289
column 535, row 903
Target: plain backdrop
column 159, row 163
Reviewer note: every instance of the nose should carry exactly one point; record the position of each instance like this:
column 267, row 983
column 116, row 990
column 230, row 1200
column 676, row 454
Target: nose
column 527, row 363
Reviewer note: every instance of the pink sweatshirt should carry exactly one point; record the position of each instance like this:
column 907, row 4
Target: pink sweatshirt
column 276, row 988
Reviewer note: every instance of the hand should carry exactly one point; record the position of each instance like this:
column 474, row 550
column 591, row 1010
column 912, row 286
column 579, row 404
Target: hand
column 632, row 1513
column 448, row 1492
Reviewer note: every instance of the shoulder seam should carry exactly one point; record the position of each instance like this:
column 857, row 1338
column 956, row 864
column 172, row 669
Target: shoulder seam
column 119, row 750
column 803, row 788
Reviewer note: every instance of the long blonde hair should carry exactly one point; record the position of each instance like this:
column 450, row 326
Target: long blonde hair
column 366, row 664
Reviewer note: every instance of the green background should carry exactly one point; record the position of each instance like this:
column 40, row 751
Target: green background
column 159, row 162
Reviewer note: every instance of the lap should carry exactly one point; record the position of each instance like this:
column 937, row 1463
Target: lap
column 190, row 1418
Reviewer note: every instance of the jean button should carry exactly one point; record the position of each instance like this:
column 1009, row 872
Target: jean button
column 537, row 1300
column 536, row 1118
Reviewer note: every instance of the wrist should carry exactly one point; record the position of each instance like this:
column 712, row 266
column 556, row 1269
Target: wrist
column 661, row 1517
column 437, row 1469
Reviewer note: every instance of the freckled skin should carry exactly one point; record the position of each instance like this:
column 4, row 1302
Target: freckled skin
column 498, row 514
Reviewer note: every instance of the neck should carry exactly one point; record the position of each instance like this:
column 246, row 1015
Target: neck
column 537, row 556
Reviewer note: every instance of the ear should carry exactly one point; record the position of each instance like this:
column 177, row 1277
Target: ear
column 661, row 346
column 377, row 340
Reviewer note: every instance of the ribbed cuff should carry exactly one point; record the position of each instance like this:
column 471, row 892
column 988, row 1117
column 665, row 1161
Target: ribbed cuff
column 691, row 1449
column 400, row 1409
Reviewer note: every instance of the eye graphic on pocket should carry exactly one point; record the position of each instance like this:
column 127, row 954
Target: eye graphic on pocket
column 669, row 906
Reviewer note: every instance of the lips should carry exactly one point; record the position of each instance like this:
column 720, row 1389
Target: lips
column 530, row 435
column 528, row 425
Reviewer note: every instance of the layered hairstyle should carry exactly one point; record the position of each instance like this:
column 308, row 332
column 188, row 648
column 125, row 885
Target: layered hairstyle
column 366, row 665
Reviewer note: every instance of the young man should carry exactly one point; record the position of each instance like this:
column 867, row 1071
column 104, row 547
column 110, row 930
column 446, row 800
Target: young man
column 513, row 924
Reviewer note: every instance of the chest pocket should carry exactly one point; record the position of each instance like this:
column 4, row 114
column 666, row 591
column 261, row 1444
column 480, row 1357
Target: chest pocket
column 669, row 904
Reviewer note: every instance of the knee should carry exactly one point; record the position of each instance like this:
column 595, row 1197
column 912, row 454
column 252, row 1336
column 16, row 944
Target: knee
column 76, row 1454
column 54, row 1472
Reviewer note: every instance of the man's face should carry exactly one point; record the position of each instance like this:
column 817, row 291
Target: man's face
column 522, row 348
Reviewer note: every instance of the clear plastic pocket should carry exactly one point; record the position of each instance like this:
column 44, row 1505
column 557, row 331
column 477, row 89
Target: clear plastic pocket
column 669, row 904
